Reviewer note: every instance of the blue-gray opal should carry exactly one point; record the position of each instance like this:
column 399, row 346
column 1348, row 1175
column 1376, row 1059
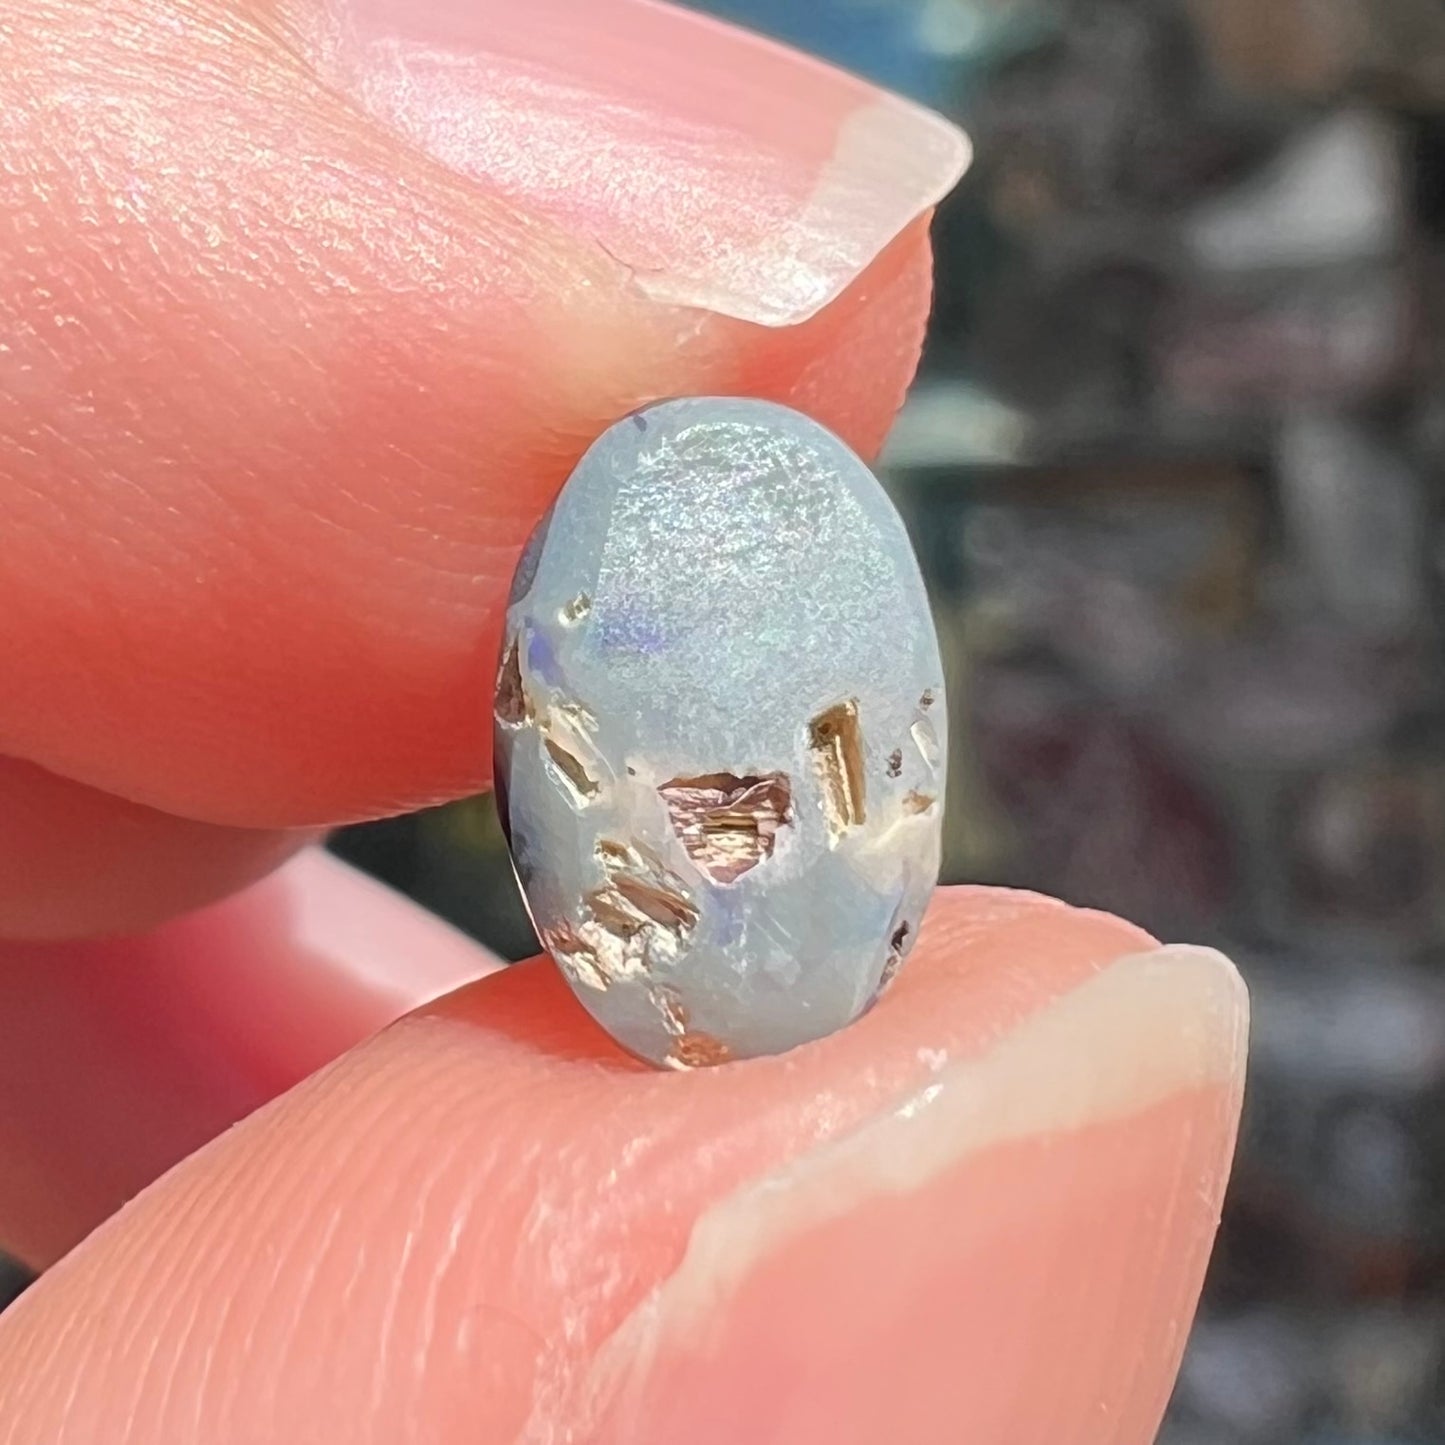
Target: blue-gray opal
column 720, row 732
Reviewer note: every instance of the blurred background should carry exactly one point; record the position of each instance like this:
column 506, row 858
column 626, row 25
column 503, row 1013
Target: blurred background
column 1175, row 466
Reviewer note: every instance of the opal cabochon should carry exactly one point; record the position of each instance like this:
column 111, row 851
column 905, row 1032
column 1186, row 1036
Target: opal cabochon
column 721, row 732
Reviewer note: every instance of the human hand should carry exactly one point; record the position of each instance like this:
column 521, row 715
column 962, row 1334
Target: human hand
column 302, row 326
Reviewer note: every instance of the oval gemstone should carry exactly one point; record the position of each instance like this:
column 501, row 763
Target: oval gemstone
column 721, row 732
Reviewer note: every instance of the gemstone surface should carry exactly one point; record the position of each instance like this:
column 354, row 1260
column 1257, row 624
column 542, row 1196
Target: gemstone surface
column 721, row 733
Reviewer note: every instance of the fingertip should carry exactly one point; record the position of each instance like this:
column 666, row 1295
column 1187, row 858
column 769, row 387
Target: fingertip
column 954, row 1257
column 912, row 1223
column 274, row 544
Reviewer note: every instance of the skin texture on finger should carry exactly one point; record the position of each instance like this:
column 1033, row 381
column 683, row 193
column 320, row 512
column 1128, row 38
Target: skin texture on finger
column 76, row 862
column 118, row 1058
column 286, row 383
column 982, row 1211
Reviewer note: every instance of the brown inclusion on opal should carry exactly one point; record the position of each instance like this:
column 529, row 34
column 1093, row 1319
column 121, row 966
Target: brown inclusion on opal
column 727, row 823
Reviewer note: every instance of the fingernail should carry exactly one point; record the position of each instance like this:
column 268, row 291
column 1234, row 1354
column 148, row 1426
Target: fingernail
column 722, row 170
column 1013, row 1255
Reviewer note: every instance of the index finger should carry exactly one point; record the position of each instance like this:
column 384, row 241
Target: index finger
column 305, row 327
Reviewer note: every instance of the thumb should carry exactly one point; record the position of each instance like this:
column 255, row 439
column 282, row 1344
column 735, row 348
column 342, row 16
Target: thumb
column 982, row 1211
column 308, row 309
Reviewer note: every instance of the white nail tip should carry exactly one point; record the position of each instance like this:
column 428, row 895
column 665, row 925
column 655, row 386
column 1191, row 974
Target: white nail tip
column 892, row 162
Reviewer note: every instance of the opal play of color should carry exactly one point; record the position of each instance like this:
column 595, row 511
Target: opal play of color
column 721, row 732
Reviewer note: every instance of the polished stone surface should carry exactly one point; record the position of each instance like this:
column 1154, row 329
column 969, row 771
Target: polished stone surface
column 721, row 732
